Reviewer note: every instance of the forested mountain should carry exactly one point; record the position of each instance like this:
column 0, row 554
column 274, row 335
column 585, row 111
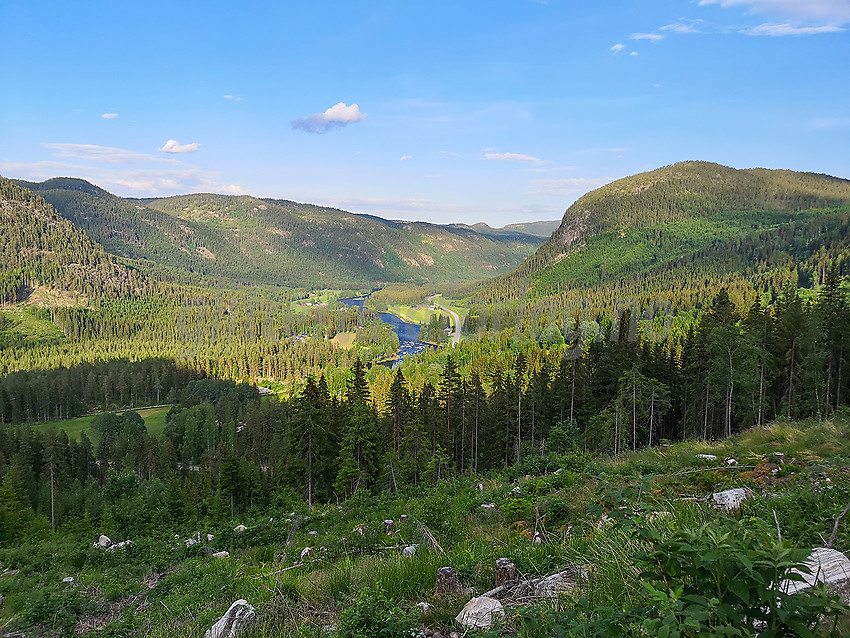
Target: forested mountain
column 542, row 229
column 246, row 240
column 39, row 247
column 696, row 225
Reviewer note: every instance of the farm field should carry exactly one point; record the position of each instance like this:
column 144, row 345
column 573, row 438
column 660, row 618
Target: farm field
column 154, row 422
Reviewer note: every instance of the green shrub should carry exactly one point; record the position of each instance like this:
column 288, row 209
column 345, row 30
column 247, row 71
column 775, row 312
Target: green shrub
column 372, row 615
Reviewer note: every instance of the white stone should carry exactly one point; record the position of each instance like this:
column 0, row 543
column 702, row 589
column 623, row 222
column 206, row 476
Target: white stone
column 103, row 541
column 221, row 555
column 423, row 607
column 707, row 457
column 730, row 461
column 480, row 613
column 729, row 500
column 69, row 580
column 112, row 548
column 190, row 542
column 210, row 538
column 306, row 552
column 827, row 566
column 488, row 506
column 240, row 528
column 409, row 551
column 233, row 621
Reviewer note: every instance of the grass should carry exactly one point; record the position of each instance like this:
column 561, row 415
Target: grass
column 154, row 422
column 344, row 340
column 199, row 589
column 20, row 321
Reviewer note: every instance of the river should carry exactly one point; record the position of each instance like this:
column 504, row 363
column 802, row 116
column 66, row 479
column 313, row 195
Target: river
column 408, row 333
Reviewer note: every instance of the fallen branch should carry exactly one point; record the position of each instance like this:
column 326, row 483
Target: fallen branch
column 835, row 527
column 430, row 537
column 712, row 469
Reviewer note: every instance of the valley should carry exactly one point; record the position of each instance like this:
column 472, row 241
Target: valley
column 570, row 404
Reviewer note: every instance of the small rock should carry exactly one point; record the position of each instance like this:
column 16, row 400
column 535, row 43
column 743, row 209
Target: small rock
column 233, row 620
column 707, row 457
column 221, row 555
column 409, row 551
column 489, row 507
column 730, row 461
column 481, row 487
column 103, row 541
column 239, row 529
column 69, row 579
column 305, row 553
column 480, row 613
column 210, row 538
column 189, row 542
column 112, row 548
column 423, row 607
column 552, row 586
column 729, row 500
column 313, row 532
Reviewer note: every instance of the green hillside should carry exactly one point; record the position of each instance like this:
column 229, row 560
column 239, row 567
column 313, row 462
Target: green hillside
column 684, row 224
column 246, row 240
column 40, row 249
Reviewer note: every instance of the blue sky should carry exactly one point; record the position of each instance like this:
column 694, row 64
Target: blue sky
column 499, row 111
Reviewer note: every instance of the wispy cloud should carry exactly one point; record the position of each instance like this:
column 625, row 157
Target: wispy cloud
column 109, row 116
column 830, row 122
column 96, row 153
column 777, row 30
column 792, row 17
column 336, row 116
column 173, row 146
column 618, row 48
column 683, row 26
column 652, row 37
column 404, row 158
column 834, row 12
column 142, row 182
column 512, row 157
column 570, row 186
column 231, row 97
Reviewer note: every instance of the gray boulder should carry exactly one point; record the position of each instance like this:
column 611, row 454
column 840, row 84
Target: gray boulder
column 480, row 612
column 730, row 500
column 233, row 621
column 224, row 554
column 827, row 566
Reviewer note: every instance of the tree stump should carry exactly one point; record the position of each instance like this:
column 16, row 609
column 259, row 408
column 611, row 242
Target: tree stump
column 447, row 581
column 505, row 571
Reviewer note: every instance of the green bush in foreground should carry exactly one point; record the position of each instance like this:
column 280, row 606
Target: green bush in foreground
column 372, row 615
column 721, row 579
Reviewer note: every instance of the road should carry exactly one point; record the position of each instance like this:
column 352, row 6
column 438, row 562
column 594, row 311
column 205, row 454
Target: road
column 455, row 318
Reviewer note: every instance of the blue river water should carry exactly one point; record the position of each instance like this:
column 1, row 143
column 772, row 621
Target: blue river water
column 408, row 333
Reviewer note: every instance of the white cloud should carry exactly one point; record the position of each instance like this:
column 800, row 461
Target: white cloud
column 683, row 26
column 404, row 158
column 830, row 122
column 570, row 186
column 512, row 157
column 652, row 37
column 230, row 97
column 777, row 30
column 618, row 48
column 634, row 53
column 173, row 146
column 109, row 116
column 833, row 12
column 95, row 153
column 336, row 116
column 153, row 182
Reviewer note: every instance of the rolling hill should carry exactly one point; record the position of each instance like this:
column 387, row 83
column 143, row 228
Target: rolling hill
column 680, row 225
column 251, row 241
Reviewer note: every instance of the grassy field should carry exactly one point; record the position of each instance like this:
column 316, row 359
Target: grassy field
column 154, row 421
column 344, row 340
column 316, row 298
